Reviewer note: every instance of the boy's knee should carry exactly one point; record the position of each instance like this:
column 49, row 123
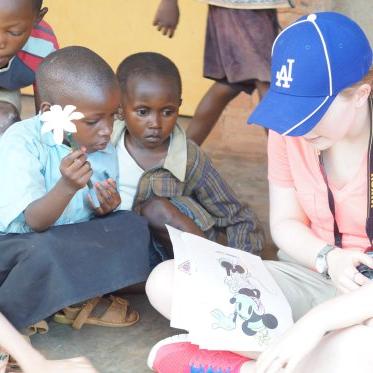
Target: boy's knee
column 158, row 211
column 8, row 115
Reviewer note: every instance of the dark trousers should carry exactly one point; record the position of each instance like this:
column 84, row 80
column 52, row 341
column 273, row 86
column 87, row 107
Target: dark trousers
column 40, row 273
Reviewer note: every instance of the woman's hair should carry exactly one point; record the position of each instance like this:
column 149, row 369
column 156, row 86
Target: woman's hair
column 368, row 79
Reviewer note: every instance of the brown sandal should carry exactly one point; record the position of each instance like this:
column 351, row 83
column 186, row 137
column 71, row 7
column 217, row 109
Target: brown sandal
column 40, row 327
column 116, row 313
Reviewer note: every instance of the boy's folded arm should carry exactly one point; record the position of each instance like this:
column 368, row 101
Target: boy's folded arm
column 45, row 211
column 243, row 228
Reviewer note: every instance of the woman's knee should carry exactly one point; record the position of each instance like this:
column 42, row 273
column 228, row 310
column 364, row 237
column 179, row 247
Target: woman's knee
column 159, row 287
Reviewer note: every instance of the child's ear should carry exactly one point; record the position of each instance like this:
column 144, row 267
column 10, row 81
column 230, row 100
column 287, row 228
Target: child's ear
column 45, row 106
column 41, row 15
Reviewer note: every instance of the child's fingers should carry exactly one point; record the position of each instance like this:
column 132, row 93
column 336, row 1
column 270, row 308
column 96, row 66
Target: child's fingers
column 111, row 187
column 79, row 164
column 112, row 182
column 70, row 158
column 80, row 171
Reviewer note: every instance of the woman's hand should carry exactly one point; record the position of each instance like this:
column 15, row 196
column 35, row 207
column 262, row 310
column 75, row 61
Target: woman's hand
column 167, row 17
column 292, row 347
column 76, row 365
column 108, row 197
column 342, row 269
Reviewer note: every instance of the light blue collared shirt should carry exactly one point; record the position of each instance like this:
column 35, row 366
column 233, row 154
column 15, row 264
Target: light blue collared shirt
column 29, row 168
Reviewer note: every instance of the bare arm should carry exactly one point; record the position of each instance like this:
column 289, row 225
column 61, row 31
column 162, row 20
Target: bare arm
column 290, row 226
column 357, row 307
column 291, row 233
column 30, row 360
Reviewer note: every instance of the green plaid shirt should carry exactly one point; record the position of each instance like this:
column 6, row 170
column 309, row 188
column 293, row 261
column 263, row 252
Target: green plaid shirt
column 188, row 175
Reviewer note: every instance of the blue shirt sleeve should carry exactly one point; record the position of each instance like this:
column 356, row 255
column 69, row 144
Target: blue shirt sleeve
column 21, row 175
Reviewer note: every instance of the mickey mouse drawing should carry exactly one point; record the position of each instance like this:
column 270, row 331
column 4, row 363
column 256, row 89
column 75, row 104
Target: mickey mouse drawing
column 248, row 308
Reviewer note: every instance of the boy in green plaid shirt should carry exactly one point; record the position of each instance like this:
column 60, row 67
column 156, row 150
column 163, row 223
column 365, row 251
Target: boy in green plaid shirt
column 166, row 177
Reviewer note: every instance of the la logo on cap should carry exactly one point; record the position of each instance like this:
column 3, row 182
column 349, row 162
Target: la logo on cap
column 284, row 76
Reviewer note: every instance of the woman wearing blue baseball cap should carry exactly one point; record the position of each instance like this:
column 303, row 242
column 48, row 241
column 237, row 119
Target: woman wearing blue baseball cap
column 319, row 112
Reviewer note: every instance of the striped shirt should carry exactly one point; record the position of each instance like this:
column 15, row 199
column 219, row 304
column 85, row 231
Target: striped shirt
column 188, row 175
column 21, row 69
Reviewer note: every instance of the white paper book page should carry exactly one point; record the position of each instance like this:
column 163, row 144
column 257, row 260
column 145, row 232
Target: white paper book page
column 183, row 282
column 224, row 297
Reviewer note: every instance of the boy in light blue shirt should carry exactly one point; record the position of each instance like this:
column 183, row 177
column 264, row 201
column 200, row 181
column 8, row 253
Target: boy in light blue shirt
column 31, row 166
column 53, row 251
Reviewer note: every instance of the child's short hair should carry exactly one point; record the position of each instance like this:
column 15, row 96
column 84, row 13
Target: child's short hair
column 147, row 64
column 71, row 70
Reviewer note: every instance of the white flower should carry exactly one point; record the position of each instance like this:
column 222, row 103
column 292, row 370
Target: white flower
column 58, row 120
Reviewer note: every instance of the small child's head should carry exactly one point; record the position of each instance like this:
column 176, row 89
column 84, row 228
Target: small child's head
column 17, row 19
column 78, row 76
column 151, row 96
column 320, row 80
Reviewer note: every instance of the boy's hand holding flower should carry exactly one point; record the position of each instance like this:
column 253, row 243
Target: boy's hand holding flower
column 76, row 170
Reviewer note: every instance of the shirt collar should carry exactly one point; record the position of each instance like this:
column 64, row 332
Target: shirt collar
column 176, row 159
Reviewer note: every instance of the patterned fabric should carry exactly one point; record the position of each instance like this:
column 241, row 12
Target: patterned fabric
column 251, row 4
column 20, row 71
column 189, row 176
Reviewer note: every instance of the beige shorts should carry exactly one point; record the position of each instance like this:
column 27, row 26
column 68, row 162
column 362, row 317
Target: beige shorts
column 303, row 288
column 12, row 97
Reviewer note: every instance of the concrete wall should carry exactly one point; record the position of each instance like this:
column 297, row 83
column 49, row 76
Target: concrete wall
column 117, row 28
column 359, row 10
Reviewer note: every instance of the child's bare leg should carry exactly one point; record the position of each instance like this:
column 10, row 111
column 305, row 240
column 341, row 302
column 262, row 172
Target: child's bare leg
column 209, row 110
column 159, row 212
column 8, row 115
column 159, row 287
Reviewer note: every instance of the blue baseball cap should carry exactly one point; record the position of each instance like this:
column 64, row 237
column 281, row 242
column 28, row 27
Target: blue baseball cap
column 313, row 60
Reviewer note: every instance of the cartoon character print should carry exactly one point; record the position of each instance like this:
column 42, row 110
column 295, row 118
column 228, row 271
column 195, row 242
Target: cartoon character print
column 238, row 277
column 248, row 307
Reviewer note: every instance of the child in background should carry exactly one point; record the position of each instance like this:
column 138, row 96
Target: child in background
column 25, row 40
column 237, row 54
column 53, row 253
column 164, row 176
column 30, row 360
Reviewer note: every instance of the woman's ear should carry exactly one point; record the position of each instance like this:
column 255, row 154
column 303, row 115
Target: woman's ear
column 362, row 94
column 45, row 106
